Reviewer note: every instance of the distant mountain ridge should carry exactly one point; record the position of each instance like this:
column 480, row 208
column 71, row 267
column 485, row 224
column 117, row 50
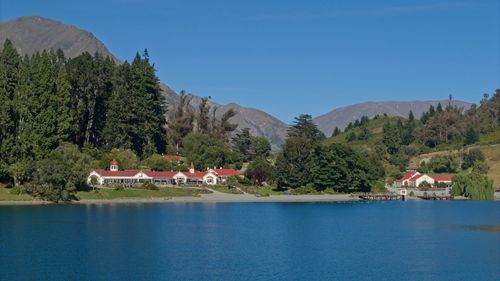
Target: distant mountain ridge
column 33, row 33
column 342, row 116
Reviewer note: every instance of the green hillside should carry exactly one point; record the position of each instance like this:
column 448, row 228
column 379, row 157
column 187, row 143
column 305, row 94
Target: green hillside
column 375, row 128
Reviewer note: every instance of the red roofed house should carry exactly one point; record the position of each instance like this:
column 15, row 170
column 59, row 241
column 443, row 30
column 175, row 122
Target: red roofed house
column 135, row 177
column 414, row 179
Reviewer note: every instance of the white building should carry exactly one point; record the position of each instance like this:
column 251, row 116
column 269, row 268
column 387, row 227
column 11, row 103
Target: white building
column 114, row 176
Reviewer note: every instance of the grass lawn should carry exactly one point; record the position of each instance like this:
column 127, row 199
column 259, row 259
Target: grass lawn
column 226, row 189
column 262, row 191
column 5, row 195
column 109, row 194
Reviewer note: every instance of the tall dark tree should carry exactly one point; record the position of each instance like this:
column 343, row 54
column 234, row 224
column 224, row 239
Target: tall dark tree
column 42, row 105
column 294, row 162
column 136, row 109
column 9, row 76
column 305, row 127
column 341, row 168
column 91, row 79
column 203, row 118
column 336, row 132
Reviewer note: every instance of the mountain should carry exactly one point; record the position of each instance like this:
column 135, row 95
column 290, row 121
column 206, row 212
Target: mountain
column 342, row 116
column 34, row 33
column 31, row 34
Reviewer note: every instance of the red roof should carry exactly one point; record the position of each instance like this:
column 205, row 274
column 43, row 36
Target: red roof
column 126, row 173
column 442, row 178
column 415, row 177
column 173, row 157
column 195, row 175
column 408, row 175
column 114, row 162
column 226, row 172
column 155, row 174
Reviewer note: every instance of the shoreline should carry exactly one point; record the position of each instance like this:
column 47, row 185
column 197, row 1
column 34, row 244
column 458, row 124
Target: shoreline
column 217, row 197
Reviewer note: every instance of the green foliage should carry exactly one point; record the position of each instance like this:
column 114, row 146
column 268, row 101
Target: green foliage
column 442, row 164
column 304, row 127
column 135, row 117
column 149, row 186
column 126, row 159
column 474, row 186
column 471, row 136
column 57, row 177
column 336, row 132
column 306, row 189
column 472, row 157
column 250, row 146
column 293, row 163
column 206, row 151
column 391, row 138
column 157, row 163
column 260, row 170
column 341, row 168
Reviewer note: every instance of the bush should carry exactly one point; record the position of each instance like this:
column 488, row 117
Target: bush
column 443, row 164
column 149, row 186
column 472, row 157
column 307, row 189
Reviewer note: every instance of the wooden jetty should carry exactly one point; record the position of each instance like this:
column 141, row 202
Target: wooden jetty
column 436, row 197
column 379, row 196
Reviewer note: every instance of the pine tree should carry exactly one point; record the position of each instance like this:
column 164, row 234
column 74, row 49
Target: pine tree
column 9, row 76
column 471, row 136
column 135, row 118
column 336, row 132
column 91, row 80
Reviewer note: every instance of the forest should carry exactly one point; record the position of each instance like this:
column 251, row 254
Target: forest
column 61, row 117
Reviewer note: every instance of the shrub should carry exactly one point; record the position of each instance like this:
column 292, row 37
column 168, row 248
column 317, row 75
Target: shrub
column 149, row 186
column 306, row 189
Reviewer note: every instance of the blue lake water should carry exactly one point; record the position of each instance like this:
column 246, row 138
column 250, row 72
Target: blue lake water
column 413, row 240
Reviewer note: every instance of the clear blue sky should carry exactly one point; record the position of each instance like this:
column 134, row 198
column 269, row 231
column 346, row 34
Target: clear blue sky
column 290, row 57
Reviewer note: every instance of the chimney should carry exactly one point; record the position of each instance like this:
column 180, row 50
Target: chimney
column 191, row 168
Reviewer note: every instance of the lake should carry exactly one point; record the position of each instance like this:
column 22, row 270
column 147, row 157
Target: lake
column 412, row 240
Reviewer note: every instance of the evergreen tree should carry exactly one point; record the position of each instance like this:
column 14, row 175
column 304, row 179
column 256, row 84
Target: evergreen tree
column 471, row 136
column 42, row 106
column 408, row 131
column 336, row 132
column 341, row 168
column 391, row 137
column 9, row 76
column 242, row 142
column 136, row 109
column 305, row 127
column 293, row 163
column 91, row 80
